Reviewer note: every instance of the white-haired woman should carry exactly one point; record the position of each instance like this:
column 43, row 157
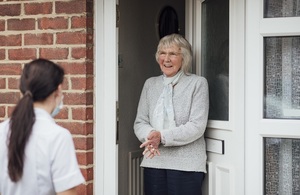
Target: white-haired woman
column 171, row 121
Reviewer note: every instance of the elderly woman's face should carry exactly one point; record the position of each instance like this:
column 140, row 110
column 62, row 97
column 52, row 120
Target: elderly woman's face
column 170, row 60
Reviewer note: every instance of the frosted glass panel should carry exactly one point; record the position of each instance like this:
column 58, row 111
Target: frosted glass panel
column 282, row 78
column 281, row 8
column 282, row 166
column 215, row 55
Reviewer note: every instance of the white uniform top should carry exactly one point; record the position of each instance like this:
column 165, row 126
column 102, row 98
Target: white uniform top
column 50, row 164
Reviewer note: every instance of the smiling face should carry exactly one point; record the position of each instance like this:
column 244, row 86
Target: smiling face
column 170, row 60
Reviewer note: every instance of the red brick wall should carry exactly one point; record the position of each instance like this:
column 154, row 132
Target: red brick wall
column 62, row 31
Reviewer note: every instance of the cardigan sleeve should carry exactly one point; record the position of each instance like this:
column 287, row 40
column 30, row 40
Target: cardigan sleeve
column 195, row 127
column 142, row 126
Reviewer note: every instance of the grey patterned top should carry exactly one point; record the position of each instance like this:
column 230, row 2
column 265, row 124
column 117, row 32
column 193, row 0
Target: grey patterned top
column 184, row 147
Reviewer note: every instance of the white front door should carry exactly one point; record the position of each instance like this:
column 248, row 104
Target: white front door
column 222, row 63
column 272, row 97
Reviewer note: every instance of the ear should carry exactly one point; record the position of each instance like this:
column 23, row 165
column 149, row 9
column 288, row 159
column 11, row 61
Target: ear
column 58, row 91
column 59, row 88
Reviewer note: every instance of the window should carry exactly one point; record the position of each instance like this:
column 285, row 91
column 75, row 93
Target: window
column 215, row 56
column 282, row 166
column 280, row 8
column 282, row 77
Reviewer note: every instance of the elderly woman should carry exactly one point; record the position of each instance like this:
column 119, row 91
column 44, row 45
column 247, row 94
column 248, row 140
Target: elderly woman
column 171, row 121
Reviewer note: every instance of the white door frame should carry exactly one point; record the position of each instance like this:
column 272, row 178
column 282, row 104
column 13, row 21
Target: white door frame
column 105, row 81
column 105, row 86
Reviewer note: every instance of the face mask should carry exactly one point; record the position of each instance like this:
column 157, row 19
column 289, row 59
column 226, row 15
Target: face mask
column 58, row 108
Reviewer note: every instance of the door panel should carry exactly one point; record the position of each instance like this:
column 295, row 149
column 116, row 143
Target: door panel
column 272, row 125
column 138, row 39
column 223, row 64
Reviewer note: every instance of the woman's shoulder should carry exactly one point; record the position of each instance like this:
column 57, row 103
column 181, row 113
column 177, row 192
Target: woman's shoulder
column 154, row 80
column 4, row 127
column 46, row 126
column 194, row 78
column 49, row 128
column 4, row 123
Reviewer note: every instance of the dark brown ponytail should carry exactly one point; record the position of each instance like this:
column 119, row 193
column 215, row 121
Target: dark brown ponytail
column 40, row 78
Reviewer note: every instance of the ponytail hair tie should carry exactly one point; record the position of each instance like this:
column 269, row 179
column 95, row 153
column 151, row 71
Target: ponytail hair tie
column 28, row 93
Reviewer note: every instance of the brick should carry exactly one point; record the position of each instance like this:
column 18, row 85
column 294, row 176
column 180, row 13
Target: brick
column 54, row 53
column 85, row 98
column 84, row 158
column 10, row 109
column 82, row 83
column 22, row 54
column 2, row 54
column 82, row 52
column 89, row 128
column 90, row 53
column 70, row 7
column 83, row 143
column 10, row 69
column 38, row 39
column 78, row 128
column 78, row 83
column 9, row 97
column 89, row 38
column 63, row 114
column 89, row 6
column 2, row 25
column 78, row 22
column 82, row 113
column 85, row 189
column 65, row 84
column 38, row 8
column 90, row 23
column 78, row 53
column 13, row 83
column 71, row 38
column 88, row 173
column 2, row 111
column 10, row 10
column 2, row 83
column 90, row 67
column 53, row 23
column 74, row 68
column 22, row 24
column 10, row 40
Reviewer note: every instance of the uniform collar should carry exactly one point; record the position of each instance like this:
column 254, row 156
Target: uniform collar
column 41, row 113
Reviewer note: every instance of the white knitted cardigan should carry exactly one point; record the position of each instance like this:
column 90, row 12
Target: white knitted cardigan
column 184, row 147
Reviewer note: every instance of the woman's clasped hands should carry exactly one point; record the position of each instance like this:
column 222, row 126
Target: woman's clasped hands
column 151, row 144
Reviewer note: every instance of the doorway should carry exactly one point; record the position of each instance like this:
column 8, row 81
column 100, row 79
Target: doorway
column 223, row 169
column 138, row 35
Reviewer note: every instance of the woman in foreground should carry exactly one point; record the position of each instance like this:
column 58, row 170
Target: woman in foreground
column 37, row 157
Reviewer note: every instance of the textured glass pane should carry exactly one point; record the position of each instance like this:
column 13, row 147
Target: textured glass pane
column 214, row 55
column 281, row 8
column 282, row 77
column 282, row 166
